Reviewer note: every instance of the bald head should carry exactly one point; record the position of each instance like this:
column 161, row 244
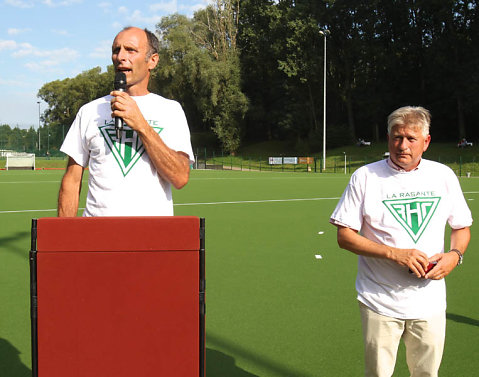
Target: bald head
column 133, row 55
column 152, row 40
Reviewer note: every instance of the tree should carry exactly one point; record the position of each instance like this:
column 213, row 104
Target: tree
column 261, row 79
column 216, row 31
column 65, row 97
column 257, row 75
column 280, row 67
column 17, row 139
column 454, row 57
column 199, row 66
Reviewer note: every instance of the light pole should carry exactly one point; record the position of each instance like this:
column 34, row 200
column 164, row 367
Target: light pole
column 324, row 33
column 66, row 114
column 38, row 126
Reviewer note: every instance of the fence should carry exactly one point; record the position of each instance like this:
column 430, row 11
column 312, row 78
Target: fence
column 252, row 164
column 334, row 164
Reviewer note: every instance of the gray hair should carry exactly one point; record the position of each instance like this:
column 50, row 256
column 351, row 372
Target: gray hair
column 410, row 116
column 153, row 43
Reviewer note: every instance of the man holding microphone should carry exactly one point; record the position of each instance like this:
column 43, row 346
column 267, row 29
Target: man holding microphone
column 132, row 175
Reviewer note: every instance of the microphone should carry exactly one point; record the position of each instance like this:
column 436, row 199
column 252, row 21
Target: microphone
column 119, row 84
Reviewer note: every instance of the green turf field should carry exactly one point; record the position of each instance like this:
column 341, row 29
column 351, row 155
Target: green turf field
column 273, row 308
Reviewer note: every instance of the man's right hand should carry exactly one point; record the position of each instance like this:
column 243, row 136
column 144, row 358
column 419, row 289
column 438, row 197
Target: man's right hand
column 414, row 259
column 351, row 240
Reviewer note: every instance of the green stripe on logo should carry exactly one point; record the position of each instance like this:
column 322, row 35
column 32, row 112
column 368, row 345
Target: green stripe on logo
column 413, row 214
column 128, row 151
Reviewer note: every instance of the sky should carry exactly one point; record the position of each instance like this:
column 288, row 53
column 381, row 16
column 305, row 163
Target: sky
column 47, row 40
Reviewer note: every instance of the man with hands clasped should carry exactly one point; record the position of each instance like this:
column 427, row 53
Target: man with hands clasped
column 392, row 215
column 132, row 175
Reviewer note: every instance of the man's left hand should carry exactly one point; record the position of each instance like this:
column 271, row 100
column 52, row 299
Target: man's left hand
column 446, row 262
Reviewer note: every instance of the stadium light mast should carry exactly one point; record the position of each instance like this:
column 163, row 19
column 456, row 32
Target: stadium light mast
column 38, row 126
column 324, row 33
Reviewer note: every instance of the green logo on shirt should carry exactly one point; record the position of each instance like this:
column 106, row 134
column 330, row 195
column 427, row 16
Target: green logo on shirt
column 413, row 214
column 128, row 150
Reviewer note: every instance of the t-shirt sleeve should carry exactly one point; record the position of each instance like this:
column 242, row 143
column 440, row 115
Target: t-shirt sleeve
column 74, row 144
column 349, row 210
column 460, row 216
column 182, row 143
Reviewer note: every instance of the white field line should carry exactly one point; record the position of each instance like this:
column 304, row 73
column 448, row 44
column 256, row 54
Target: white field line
column 191, row 179
column 257, row 178
column 196, row 204
column 30, row 182
column 200, row 179
column 255, row 201
column 30, row 210
column 213, row 203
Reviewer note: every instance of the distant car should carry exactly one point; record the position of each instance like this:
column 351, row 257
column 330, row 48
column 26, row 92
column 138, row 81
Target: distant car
column 464, row 143
column 386, row 155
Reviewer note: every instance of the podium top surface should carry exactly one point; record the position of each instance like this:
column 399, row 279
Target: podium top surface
column 62, row 234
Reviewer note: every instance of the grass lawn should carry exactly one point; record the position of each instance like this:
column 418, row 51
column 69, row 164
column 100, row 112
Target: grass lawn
column 273, row 308
column 255, row 157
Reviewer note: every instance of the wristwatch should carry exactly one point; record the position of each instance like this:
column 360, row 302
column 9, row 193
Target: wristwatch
column 459, row 254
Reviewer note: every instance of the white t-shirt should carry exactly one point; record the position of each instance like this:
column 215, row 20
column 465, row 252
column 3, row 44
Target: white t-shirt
column 123, row 181
column 404, row 210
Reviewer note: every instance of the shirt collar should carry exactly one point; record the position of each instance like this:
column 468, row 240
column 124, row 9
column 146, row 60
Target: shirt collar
column 396, row 167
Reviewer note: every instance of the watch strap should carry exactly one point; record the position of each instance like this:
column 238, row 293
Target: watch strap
column 459, row 255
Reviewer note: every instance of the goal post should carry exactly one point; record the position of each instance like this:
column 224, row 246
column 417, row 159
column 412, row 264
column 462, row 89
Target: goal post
column 20, row 161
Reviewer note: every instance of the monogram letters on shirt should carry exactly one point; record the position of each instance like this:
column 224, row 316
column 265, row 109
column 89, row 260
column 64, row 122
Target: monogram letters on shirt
column 129, row 149
column 414, row 214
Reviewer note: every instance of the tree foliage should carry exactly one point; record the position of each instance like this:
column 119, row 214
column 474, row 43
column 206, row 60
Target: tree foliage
column 380, row 55
column 65, row 97
column 199, row 65
column 252, row 70
column 17, row 139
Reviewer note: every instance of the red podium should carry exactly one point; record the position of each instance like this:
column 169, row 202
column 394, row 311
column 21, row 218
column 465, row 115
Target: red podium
column 118, row 296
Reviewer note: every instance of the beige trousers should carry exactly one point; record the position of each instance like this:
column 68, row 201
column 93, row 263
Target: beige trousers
column 423, row 338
